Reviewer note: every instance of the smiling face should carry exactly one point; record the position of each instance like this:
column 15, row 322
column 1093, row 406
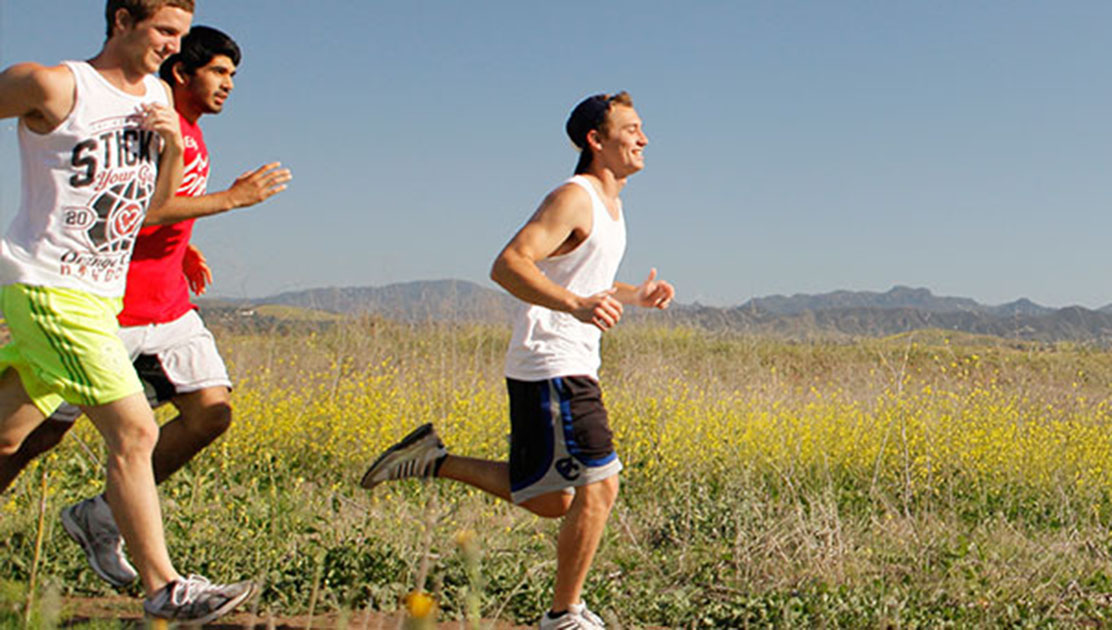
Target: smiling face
column 620, row 145
column 205, row 90
column 147, row 43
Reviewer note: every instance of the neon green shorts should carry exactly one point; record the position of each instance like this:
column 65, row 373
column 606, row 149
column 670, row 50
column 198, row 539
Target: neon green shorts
column 64, row 346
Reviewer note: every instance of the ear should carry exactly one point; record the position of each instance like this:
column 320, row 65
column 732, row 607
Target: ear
column 594, row 139
column 178, row 70
column 122, row 20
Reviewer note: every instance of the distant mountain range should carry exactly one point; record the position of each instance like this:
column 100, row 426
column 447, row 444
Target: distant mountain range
column 839, row 314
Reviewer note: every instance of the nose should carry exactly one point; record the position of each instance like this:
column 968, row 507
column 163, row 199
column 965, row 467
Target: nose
column 175, row 45
column 229, row 83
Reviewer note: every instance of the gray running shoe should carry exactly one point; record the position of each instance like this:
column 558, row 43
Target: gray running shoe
column 416, row 455
column 577, row 617
column 196, row 600
column 90, row 524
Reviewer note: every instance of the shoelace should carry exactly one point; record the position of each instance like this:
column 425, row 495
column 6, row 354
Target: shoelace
column 589, row 615
column 187, row 590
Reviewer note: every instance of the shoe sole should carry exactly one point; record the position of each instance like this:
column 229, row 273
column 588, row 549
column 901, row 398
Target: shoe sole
column 414, row 436
column 78, row 536
column 228, row 607
column 225, row 609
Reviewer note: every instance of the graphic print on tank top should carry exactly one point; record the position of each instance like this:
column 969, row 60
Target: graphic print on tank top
column 119, row 165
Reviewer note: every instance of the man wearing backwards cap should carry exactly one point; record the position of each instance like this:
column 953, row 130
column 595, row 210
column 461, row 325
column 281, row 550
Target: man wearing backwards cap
column 562, row 265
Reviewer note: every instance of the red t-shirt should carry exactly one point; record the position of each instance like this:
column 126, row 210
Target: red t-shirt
column 157, row 291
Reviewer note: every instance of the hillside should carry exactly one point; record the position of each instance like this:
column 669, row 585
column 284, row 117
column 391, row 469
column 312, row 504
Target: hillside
column 839, row 314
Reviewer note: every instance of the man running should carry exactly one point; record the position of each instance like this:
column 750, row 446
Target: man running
column 562, row 265
column 100, row 145
column 173, row 352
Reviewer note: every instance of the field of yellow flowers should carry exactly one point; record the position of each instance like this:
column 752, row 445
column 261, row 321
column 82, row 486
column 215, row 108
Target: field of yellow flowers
column 925, row 480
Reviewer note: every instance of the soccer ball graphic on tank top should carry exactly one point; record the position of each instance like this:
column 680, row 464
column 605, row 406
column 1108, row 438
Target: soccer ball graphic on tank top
column 117, row 214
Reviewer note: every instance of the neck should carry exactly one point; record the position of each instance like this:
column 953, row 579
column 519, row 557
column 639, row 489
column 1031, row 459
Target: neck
column 115, row 69
column 188, row 110
column 609, row 183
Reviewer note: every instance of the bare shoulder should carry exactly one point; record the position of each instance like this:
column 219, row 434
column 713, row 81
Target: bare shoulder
column 169, row 90
column 568, row 203
column 38, row 92
column 47, row 80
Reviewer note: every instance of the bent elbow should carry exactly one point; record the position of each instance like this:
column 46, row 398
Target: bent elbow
column 498, row 271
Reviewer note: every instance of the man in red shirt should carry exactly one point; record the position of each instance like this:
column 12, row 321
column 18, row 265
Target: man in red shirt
column 173, row 352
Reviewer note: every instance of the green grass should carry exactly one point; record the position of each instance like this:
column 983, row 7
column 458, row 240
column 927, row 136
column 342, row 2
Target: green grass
column 740, row 541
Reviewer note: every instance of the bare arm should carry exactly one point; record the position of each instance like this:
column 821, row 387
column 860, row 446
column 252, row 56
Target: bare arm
column 164, row 121
column 651, row 293
column 197, row 272
column 41, row 96
column 560, row 224
column 249, row 189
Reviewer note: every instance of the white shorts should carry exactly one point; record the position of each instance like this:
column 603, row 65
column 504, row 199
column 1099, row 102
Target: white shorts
column 174, row 358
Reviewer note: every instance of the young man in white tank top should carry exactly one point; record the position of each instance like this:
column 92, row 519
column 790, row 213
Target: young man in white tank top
column 101, row 145
column 561, row 265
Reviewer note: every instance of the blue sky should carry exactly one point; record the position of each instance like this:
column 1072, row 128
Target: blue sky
column 794, row 146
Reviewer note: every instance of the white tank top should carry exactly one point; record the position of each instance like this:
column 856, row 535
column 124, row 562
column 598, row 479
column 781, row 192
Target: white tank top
column 86, row 186
column 548, row 343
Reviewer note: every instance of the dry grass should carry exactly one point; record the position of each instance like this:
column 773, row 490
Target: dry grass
column 922, row 480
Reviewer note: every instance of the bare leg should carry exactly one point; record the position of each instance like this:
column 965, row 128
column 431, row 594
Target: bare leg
column 18, row 415
column 489, row 476
column 130, row 433
column 580, row 534
column 204, row 415
column 494, row 478
column 45, row 437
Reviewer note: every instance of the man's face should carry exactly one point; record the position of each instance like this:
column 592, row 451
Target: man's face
column 154, row 39
column 208, row 87
column 623, row 145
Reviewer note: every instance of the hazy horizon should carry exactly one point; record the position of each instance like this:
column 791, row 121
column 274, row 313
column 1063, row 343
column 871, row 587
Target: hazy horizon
column 795, row 147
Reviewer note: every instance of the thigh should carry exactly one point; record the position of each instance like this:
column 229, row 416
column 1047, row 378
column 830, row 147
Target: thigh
column 124, row 420
column 560, row 438
column 18, row 414
column 64, row 347
column 194, row 403
column 179, row 358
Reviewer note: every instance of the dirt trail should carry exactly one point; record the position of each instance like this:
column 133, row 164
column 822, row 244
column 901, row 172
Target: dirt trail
column 79, row 610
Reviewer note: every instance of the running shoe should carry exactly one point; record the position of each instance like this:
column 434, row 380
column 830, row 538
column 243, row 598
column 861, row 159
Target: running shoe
column 196, row 600
column 577, row 617
column 90, row 524
column 417, row 455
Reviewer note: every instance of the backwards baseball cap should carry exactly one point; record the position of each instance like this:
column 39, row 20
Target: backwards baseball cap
column 588, row 115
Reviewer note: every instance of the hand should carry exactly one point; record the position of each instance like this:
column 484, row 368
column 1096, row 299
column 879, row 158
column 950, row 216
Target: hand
column 196, row 270
column 600, row 309
column 653, row 293
column 258, row 185
column 162, row 120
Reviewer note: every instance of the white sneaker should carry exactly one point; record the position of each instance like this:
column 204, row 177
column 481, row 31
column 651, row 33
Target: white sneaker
column 577, row 617
column 196, row 600
column 416, row 455
column 90, row 524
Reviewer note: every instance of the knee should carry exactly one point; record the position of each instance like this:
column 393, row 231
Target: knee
column 8, row 447
column 554, row 505
column 601, row 495
column 45, row 437
column 211, row 420
column 135, row 439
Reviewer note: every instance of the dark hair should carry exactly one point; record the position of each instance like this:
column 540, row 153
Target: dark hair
column 592, row 112
column 198, row 48
column 140, row 10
